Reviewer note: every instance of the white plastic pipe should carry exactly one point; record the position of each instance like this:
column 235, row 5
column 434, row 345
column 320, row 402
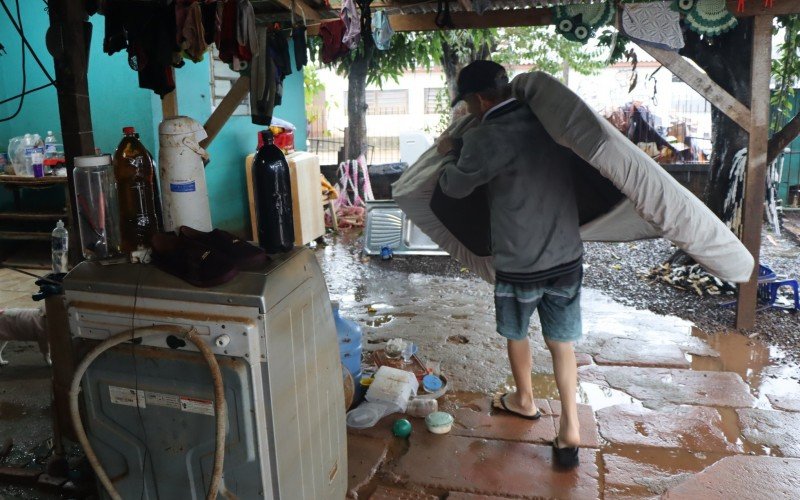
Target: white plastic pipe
column 220, row 407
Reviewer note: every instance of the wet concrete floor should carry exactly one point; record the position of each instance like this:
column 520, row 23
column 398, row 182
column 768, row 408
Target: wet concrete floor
column 664, row 405
column 665, row 409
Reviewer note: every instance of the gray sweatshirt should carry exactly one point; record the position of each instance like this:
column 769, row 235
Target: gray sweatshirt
column 534, row 214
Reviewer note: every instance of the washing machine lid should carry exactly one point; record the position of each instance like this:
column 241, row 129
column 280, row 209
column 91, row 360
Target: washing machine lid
column 263, row 288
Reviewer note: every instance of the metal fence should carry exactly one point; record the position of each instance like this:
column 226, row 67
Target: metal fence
column 789, row 187
column 379, row 149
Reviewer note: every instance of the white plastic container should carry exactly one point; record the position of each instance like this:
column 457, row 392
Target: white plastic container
column 184, row 194
column 393, row 386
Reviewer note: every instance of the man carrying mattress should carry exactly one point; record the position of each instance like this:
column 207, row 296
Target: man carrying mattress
column 536, row 245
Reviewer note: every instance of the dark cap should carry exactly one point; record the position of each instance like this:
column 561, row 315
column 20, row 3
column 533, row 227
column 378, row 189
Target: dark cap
column 479, row 76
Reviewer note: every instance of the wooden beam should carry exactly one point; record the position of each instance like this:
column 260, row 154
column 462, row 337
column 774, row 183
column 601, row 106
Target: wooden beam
column 700, row 82
column 755, row 188
column 467, row 20
column 227, row 106
column 69, row 46
column 783, row 138
column 300, row 6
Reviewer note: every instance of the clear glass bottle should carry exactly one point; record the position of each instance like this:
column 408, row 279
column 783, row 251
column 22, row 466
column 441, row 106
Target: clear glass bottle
column 139, row 206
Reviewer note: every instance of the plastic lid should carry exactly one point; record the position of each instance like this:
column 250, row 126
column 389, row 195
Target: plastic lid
column 439, row 419
column 431, row 383
column 60, row 224
column 49, row 132
column 92, row 161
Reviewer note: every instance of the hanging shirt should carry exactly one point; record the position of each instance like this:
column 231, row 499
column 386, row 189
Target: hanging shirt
column 352, row 24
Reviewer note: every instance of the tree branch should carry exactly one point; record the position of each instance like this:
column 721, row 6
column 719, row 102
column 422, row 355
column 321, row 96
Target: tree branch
column 783, row 138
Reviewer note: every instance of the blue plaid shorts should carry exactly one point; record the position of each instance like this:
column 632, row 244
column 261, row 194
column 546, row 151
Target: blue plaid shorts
column 558, row 301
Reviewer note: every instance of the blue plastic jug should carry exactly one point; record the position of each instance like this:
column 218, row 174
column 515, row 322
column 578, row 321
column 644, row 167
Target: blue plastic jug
column 349, row 334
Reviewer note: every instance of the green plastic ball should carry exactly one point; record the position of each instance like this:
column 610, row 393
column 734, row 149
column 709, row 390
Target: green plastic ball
column 401, row 428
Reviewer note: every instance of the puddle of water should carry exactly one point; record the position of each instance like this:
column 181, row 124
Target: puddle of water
column 597, row 396
column 379, row 321
column 668, row 467
column 733, row 433
column 751, row 359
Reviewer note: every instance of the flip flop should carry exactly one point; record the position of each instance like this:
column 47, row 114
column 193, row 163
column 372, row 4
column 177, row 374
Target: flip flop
column 504, row 407
column 566, row 457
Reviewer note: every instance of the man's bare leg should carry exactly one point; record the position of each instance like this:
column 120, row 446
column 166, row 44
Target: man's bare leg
column 566, row 372
column 519, row 356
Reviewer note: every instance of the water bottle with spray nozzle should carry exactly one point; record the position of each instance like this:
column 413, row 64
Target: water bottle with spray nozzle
column 60, row 248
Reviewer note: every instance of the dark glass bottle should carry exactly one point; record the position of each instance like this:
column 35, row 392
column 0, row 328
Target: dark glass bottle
column 139, row 202
column 273, row 197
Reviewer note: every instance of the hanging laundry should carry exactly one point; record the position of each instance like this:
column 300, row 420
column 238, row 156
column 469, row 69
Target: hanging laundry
column 352, row 25
column 653, row 24
column 193, row 33
column 246, row 35
column 332, row 33
column 263, row 85
column 578, row 22
column 443, row 17
column 481, row 6
column 279, row 45
column 300, row 46
column 706, row 17
column 209, row 10
column 227, row 43
column 382, row 31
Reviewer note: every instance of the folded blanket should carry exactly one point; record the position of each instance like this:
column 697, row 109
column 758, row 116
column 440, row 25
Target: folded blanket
column 654, row 203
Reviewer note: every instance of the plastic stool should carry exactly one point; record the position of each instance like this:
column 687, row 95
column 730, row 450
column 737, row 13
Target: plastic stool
column 769, row 292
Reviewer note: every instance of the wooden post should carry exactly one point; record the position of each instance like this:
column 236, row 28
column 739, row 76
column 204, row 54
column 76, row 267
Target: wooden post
column 69, row 46
column 169, row 103
column 227, row 106
column 755, row 188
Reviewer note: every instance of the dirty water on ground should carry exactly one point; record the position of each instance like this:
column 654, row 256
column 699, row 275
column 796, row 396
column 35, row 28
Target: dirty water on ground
column 450, row 315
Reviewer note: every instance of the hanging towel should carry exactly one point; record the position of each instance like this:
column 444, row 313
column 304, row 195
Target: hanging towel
column 382, row 31
column 352, row 24
column 653, row 24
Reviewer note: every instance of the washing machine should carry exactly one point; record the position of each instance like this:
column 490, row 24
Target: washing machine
column 148, row 405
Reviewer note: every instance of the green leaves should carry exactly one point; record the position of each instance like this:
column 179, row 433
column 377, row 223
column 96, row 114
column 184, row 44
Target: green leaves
column 786, row 70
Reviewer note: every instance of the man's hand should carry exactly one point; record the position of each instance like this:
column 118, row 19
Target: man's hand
column 447, row 144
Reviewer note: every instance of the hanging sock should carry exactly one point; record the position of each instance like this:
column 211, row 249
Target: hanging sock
column 352, row 25
column 262, row 82
column 382, row 31
column 481, row 6
column 443, row 17
column 209, row 12
column 300, row 48
column 653, row 24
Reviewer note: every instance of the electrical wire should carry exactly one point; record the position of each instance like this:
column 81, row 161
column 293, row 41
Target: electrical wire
column 25, row 41
column 24, row 73
column 147, row 453
column 31, row 91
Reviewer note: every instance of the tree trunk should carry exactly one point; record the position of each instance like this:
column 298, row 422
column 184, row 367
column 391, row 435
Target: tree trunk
column 357, row 103
column 726, row 59
column 452, row 63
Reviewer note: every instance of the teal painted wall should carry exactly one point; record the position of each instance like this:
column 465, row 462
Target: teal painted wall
column 117, row 101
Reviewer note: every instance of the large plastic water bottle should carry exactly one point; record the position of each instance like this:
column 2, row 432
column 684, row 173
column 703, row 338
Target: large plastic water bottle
column 60, row 248
column 349, row 334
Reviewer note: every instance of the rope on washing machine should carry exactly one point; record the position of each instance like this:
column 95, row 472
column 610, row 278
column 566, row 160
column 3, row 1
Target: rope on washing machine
column 220, row 406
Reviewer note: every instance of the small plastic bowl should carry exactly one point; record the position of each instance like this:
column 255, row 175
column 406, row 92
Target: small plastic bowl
column 439, row 422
